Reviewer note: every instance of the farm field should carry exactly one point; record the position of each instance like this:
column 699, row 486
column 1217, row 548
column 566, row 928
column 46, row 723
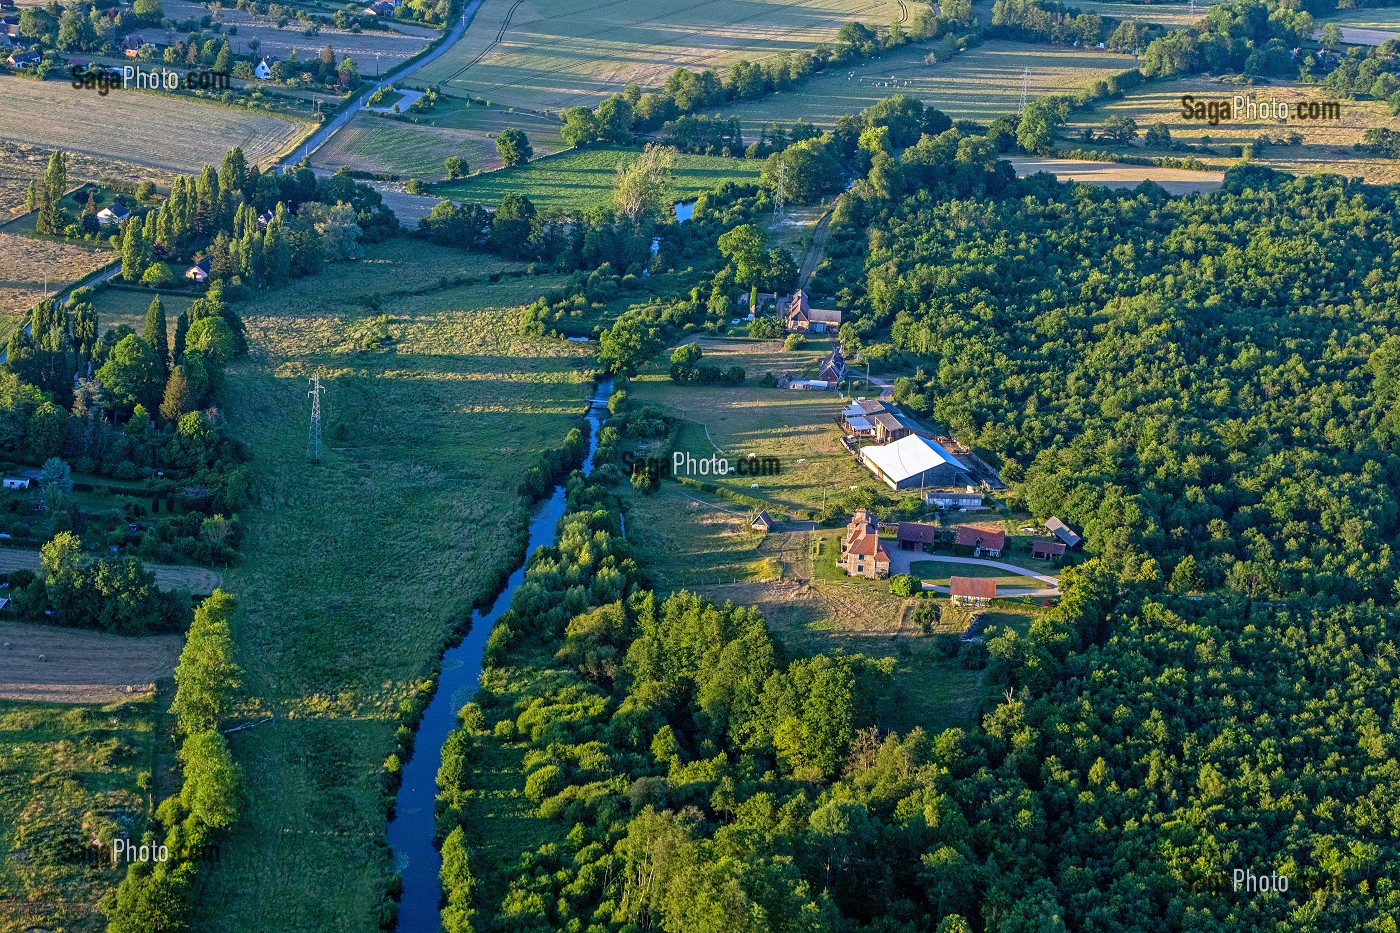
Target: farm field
column 177, row 134
column 735, row 421
column 1325, row 147
column 550, row 55
column 79, row 665
column 20, row 164
column 1174, row 15
column 982, row 83
column 581, row 179
column 1119, row 175
column 29, row 264
column 386, row 146
column 356, row 570
column 391, row 47
column 1366, row 27
column 198, row 581
column 67, row 773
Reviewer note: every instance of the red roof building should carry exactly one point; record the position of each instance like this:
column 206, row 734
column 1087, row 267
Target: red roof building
column 975, row 590
column 1047, row 550
column 984, row 542
column 913, row 535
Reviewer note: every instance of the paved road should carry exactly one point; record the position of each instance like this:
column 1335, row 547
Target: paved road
column 323, row 135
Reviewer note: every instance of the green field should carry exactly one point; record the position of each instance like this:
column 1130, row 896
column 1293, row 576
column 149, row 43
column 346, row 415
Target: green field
column 581, row 179
column 1366, row 27
column 937, row 572
column 980, row 84
column 1326, row 146
column 68, row 773
column 388, row 146
column 356, row 570
column 116, row 306
column 1174, row 15
column 549, row 55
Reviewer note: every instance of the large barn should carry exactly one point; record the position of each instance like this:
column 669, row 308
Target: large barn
column 913, row 462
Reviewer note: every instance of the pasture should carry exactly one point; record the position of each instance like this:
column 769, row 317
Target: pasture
column 580, row 179
column 178, row 134
column 549, row 55
column 798, row 428
column 116, row 305
column 29, row 265
column 1367, row 26
column 388, row 146
column 1172, row 15
column 982, row 83
column 356, row 570
column 1325, row 146
column 68, row 773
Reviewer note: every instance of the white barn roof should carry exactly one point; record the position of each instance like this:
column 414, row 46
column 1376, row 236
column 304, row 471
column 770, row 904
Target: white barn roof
column 909, row 456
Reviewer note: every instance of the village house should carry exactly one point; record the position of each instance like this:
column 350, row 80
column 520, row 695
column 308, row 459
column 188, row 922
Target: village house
column 114, row 213
column 26, row 59
column 833, row 368
column 972, row 591
column 913, row 535
column 985, row 542
column 913, row 462
column 862, row 554
column 7, row 4
column 16, row 482
column 1062, row 531
column 1047, row 550
column 263, row 70
column 803, row 318
column 265, row 218
column 199, row 272
column 131, row 46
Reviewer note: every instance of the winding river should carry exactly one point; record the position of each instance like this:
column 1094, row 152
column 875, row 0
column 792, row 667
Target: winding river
column 411, row 831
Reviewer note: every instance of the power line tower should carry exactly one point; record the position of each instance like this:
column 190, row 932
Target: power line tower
column 313, row 436
column 1193, row 9
column 780, row 196
column 1025, row 88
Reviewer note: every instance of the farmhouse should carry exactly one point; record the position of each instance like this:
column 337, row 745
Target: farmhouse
column 264, row 219
column 116, row 213
column 913, row 535
column 199, row 272
column 1047, row 550
column 913, row 461
column 862, row 555
column 972, row 591
column 802, row 317
column 833, row 367
column 762, row 522
column 16, row 482
column 985, row 542
column 955, row 500
column 1062, row 531
column 131, row 46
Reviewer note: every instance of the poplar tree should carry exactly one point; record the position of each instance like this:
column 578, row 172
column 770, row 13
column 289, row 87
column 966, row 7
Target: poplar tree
column 155, row 334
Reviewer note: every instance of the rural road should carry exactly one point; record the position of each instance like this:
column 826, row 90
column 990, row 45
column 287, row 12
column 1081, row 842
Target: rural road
column 814, row 252
column 323, row 135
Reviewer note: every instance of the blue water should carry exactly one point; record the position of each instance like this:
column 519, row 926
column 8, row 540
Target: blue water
column 411, row 831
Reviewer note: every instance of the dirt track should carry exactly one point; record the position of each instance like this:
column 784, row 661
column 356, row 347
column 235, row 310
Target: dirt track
column 80, row 666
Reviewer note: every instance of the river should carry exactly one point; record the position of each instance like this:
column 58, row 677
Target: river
column 411, row 831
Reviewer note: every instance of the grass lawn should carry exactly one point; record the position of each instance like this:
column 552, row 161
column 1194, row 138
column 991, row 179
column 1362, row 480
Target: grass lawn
column 938, row 571
column 1326, row 146
column 734, row 421
column 116, row 306
column 553, row 54
column 67, row 772
column 356, row 570
column 579, row 179
column 980, row 84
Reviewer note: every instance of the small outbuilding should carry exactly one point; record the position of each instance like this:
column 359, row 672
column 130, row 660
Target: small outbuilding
column 972, row 591
column 16, row 482
column 762, row 521
column 1065, row 533
column 985, row 542
column 1047, row 550
column 914, row 535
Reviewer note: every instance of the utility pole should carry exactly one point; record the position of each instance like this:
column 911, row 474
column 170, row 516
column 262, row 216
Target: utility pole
column 313, row 436
column 1025, row 86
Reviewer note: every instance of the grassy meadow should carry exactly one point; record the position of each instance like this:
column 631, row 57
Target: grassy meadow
column 67, row 774
column 549, row 55
column 1172, row 15
column 579, row 179
column 1326, row 146
column 152, row 130
column 1372, row 26
column 980, row 84
column 357, row 569
column 29, row 265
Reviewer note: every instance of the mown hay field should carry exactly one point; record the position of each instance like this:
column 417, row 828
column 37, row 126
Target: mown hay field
column 20, row 164
column 355, row 570
column 145, row 129
column 56, row 664
column 29, row 264
column 1119, row 175
column 980, row 84
column 555, row 54
column 1174, row 15
column 1326, row 146
column 574, row 181
column 1366, row 27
